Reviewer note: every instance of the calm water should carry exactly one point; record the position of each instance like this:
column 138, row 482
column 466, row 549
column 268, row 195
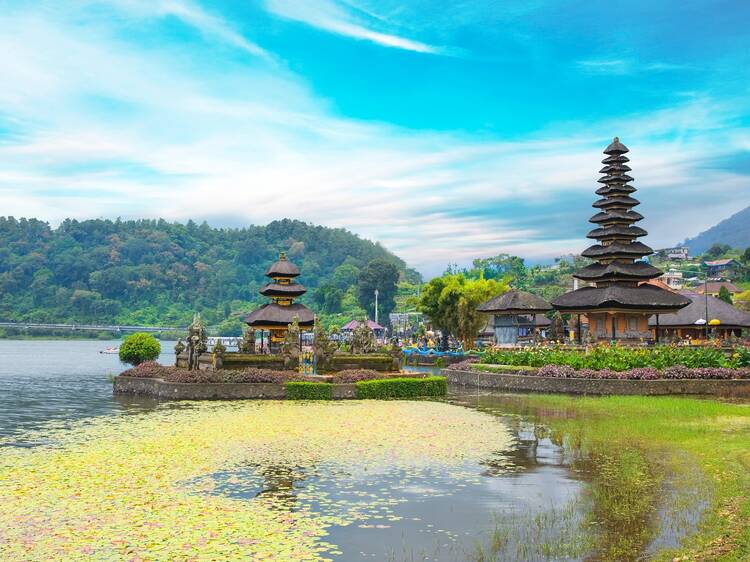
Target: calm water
column 49, row 383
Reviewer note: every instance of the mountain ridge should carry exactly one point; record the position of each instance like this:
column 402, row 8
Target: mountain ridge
column 733, row 230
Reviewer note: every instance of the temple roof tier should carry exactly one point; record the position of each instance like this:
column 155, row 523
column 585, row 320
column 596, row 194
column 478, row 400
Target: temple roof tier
column 616, row 147
column 277, row 315
column 616, row 249
column 615, row 159
column 624, row 201
column 618, row 297
column 279, row 290
column 618, row 271
column 282, row 268
column 623, row 178
column 616, row 232
column 615, row 189
column 617, row 168
column 615, row 217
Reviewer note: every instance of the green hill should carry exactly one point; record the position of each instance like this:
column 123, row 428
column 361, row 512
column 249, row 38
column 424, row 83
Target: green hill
column 156, row 272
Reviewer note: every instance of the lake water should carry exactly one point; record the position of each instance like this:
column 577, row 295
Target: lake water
column 527, row 500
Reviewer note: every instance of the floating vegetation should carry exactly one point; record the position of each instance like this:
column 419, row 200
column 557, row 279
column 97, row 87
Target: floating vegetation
column 221, row 480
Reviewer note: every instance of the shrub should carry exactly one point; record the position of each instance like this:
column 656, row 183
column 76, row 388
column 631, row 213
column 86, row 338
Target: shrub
column 139, row 347
column 402, row 387
column 308, row 391
column 641, row 373
column 614, row 357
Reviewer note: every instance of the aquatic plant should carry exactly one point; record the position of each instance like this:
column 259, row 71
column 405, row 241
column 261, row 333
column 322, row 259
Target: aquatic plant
column 142, row 487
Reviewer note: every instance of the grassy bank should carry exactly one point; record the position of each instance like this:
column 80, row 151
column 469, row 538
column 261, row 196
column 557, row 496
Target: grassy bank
column 634, row 444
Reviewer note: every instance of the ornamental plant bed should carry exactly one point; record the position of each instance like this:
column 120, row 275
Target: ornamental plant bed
column 617, row 358
column 677, row 372
column 152, row 369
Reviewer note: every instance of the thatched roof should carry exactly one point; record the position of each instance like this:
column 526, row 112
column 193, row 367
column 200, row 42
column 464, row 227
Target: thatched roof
column 279, row 290
column 715, row 287
column 644, row 297
column 616, row 147
column 616, row 216
column 276, row 315
column 616, row 201
column 515, row 302
column 282, row 268
column 627, row 271
column 631, row 250
column 617, row 232
column 728, row 315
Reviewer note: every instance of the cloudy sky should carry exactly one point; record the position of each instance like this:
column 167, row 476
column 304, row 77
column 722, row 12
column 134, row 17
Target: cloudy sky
column 446, row 130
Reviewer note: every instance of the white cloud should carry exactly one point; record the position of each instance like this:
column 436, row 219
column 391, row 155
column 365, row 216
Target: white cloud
column 329, row 16
column 195, row 142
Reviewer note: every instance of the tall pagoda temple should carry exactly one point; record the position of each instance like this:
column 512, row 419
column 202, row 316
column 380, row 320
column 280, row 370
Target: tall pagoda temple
column 281, row 310
column 618, row 303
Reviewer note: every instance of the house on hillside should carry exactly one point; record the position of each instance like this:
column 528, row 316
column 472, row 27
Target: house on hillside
column 721, row 268
column 713, row 288
column 673, row 279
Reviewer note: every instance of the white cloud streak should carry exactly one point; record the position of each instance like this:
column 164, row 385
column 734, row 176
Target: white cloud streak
column 331, row 17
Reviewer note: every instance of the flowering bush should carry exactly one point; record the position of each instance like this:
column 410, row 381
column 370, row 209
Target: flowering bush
column 356, row 375
column 618, row 358
column 642, row 373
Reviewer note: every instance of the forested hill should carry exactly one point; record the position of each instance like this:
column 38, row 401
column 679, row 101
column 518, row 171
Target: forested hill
column 733, row 231
column 157, row 272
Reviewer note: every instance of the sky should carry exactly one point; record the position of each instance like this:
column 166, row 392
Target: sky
column 446, row 130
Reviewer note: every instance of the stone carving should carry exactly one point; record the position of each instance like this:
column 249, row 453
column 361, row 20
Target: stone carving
column 197, row 342
column 178, row 348
column 291, row 344
column 397, row 354
column 247, row 344
column 325, row 346
column 363, row 340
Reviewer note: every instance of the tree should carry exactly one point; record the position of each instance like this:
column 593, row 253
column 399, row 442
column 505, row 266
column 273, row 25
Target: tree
column 725, row 295
column 139, row 347
column 328, row 297
column 382, row 275
column 742, row 300
column 717, row 250
column 451, row 301
column 746, row 255
column 499, row 267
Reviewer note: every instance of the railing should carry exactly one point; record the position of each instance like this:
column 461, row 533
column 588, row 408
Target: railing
column 88, row 327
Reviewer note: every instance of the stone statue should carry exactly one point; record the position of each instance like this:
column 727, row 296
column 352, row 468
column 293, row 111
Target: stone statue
column 363, row 339
column 217, row 355
column 178, row 348
column 197, row 342
column 397, row 354
column 291, row 344
column 325, row 346
column 247, row 345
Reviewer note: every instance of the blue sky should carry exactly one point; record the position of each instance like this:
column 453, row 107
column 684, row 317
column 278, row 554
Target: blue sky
column 445, row 130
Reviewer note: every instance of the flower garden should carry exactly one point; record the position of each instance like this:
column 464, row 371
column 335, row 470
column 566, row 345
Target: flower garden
column 618, row 362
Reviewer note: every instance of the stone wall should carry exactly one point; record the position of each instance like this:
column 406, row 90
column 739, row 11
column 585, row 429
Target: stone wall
column 158, row 388
column 525, row 383
column 237, row 361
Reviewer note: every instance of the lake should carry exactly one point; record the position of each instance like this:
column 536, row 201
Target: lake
column 478, row 476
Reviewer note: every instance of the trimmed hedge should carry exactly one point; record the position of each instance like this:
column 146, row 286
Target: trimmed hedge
column 308, row 391
column 402, row 387
column 138, row 348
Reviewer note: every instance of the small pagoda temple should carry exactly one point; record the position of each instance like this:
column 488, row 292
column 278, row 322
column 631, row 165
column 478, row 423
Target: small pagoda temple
column 516, row 316
column 282, row 310
column 618, row 304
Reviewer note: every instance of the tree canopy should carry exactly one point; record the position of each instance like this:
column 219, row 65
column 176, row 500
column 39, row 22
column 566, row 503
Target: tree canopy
column 381, row 275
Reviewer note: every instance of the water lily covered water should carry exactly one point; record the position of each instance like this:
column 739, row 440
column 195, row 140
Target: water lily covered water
column 143, row 486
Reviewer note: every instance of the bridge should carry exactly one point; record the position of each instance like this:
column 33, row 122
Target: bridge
column 89, row 327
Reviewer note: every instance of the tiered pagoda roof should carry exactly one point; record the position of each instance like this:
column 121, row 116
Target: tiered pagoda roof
column 282, row 290
column 617, row 269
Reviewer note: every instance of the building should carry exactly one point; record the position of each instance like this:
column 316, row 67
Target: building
column 702, row 315
column 376, row 328
column 619, row 304
column 713, row 288
column 679, row 254
column 281, row 311
column 721, row 268
column 518, row 316
column 673, row 279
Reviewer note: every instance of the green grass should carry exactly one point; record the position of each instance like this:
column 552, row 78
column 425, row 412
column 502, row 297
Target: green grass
column 624, row 435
